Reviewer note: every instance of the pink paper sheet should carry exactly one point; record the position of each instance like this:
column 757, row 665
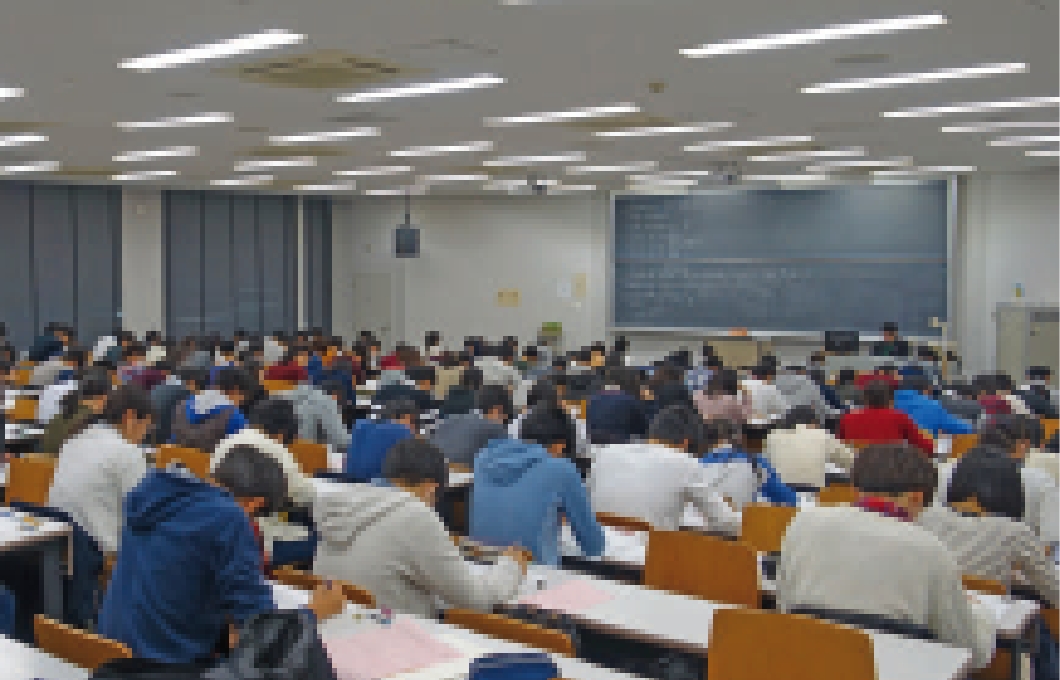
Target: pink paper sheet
column 568, row 597
column 381, row 652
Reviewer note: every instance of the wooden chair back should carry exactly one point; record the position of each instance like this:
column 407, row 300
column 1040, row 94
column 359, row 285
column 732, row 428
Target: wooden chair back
column 702, row 566
column 310, row 456
column 21, row 377
column 837, row 494
column 962, row 444
column 24, row 410
column 1051, row 615
column 750, row 645
column 273, row 386
column 29, row 479
column 358, row 595
column 764, row 526
column 983, row 585
column 1049, row 428
column 620, row 522
column 304, row 580
column 76, row 646
column 197, row 462
column 858, row 444
column 512, row 630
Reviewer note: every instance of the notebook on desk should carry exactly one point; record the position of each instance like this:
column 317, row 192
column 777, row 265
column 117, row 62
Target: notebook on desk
column 404, row 650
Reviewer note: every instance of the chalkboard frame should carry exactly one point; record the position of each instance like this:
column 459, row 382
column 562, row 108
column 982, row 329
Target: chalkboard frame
column 933, row 334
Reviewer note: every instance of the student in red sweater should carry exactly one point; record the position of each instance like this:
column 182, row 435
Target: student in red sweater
column 292, row 368
column 887, row 373
column 879, row 422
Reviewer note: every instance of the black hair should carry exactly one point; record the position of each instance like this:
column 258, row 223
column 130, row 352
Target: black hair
column 803, row 414
column 493, row 396
column 626, row 379
column 197, row 376
column 135, row 349
column 542, row 392
column 725, row 381
column 420, row 374
column 226, row 347
column 530, row 352
column 249, row 473
column 549, row 424
column 721, row 430
column 917, row 383
column 399, row 408
column 471, row 378
column 432, row 338
column 1033, row 372
column 678, row 424
column 415, row 461
column 233, row 379
column 276, row 418
column 93, row 384
column 126, row 398
column 764, row 370
column 846, row 376
column 333, row 388
column 995, row 482
column 894, row 469
column 889, row 327
column 878, row 394
column 1016, row 428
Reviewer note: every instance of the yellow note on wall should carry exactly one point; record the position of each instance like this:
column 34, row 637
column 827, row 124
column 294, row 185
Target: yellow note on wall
column 508, row 297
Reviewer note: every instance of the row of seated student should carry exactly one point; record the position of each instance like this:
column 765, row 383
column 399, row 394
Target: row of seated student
column 525, row 480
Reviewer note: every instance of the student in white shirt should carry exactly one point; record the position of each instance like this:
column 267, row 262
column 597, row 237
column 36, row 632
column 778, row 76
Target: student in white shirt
column 871, row 565
column 103, row 463
column 654, row 480
column 800, row 449
column 766, row 400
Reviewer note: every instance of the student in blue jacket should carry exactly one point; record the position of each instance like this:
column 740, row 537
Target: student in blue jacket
column 739, row 476
column 914, row 399
column 190, row 568
column 525, row 487
column 372, row 439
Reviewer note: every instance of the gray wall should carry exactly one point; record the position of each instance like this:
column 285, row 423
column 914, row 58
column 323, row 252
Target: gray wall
column 61, row 259
column 142, row 305
column 316, row 263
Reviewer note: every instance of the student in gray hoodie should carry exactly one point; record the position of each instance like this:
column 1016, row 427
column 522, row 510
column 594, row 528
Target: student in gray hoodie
column 388, row 539
column 462, row 436
column 319, row 417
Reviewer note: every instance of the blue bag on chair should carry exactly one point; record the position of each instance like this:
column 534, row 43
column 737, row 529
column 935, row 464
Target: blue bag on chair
column 527, row 666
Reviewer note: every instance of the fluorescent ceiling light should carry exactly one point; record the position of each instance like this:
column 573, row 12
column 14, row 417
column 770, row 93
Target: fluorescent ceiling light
column 254, row 42
column 167, row 152
column 343, row 186
column 11, row 92
column 247, row 181
column 465, row 147
column 573, row 187
column 264, row 163
column 972, row 107
column 147, row 174
column 39, row 166
column 806, row 177
column 377, row 171
column 519, row 161
column 1024, row 141
column 1001, row 125
column 899, row 79
column 659, row 130
column 684, row 173
column 333, row 136
column 22, row 139
column 397, row 191
column 1042, row 152
column 192, row 120
column 928, row 170
column 803, row 155
column 656, row 180
column 862, row 163
column 750, row 143
column 639, row 166
column 814, row 36
column 556, row 116
column 420, row 89
column 431, row 179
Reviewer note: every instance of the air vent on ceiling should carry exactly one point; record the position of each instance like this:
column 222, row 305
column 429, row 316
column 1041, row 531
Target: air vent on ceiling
column 322, row 70
column 285, row 151
column 362, row 118
column 862, row 59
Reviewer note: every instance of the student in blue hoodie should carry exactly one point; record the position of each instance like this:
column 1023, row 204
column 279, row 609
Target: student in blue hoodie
column 190, row 568
column 209, row 416
column 739, row 476
column 525, row 487
column 372, row 439
column 914, row 399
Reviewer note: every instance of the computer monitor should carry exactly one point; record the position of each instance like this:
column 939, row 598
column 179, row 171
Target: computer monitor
column 842, row 342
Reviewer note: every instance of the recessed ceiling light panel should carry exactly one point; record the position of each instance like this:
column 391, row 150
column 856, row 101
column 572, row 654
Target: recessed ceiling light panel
column 321, row 137
column 973, row 107
column 900, row 79
column 192, row 120
column 478, row 81
column 151, row 154
column 243, row 44
column 558, row 116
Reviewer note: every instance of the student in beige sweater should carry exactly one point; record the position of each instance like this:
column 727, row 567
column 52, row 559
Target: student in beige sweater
column 870, row 564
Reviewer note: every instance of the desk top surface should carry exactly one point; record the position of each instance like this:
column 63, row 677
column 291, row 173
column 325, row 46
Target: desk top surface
column 22, row 662
column 20, row 529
